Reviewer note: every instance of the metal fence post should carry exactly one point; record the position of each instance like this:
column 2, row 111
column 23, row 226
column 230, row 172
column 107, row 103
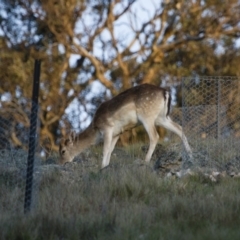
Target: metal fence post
column 219, row 109
column 32, row 137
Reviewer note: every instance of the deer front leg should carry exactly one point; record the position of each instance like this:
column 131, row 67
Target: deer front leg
column 109, row 144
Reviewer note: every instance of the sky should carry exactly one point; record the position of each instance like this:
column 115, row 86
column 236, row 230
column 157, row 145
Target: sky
column 144, row 10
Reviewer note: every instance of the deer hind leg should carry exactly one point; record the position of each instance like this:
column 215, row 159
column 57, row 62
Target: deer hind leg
column 153, row 138
column 167, row 123
column 108, row 146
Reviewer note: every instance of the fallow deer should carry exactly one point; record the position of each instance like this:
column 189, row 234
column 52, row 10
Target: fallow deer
column 145, row 104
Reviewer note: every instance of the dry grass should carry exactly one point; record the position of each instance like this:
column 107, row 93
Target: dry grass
column 128, row 200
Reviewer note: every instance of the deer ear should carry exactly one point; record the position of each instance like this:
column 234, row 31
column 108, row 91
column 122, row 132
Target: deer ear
column 70, row 140
column 72, row 136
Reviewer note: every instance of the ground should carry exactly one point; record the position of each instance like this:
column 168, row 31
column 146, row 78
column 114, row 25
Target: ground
column 127, row 200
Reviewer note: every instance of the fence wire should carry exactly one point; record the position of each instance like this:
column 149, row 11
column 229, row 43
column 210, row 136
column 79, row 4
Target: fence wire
column 210, row 117
column 211, row 120
column 14, row 148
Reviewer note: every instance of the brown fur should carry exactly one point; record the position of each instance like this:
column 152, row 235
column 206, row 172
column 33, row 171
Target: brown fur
column 144, row 104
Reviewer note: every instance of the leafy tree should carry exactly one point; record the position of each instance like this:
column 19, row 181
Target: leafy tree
column 113, row 46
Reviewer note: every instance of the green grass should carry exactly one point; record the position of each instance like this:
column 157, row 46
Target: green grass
column 125, row 201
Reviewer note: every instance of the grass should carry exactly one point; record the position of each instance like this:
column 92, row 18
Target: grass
column 128, row 200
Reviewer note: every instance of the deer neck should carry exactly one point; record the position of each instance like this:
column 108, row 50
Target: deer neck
column 85, row 139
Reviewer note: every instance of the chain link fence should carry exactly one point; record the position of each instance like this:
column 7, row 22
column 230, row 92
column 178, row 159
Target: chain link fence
column 211, row 120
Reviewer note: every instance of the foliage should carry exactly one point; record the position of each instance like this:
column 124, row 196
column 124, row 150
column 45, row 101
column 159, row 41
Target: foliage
column 114, row 48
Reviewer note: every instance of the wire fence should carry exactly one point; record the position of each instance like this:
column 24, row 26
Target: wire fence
column 210, row 117
column 211, row 120
column 14, row 154
column 19, row 124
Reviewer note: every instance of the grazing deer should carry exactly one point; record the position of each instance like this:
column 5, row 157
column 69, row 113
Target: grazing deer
column 144, row 104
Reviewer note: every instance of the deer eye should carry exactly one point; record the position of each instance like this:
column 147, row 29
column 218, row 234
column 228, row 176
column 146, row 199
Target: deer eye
column 63, row 152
